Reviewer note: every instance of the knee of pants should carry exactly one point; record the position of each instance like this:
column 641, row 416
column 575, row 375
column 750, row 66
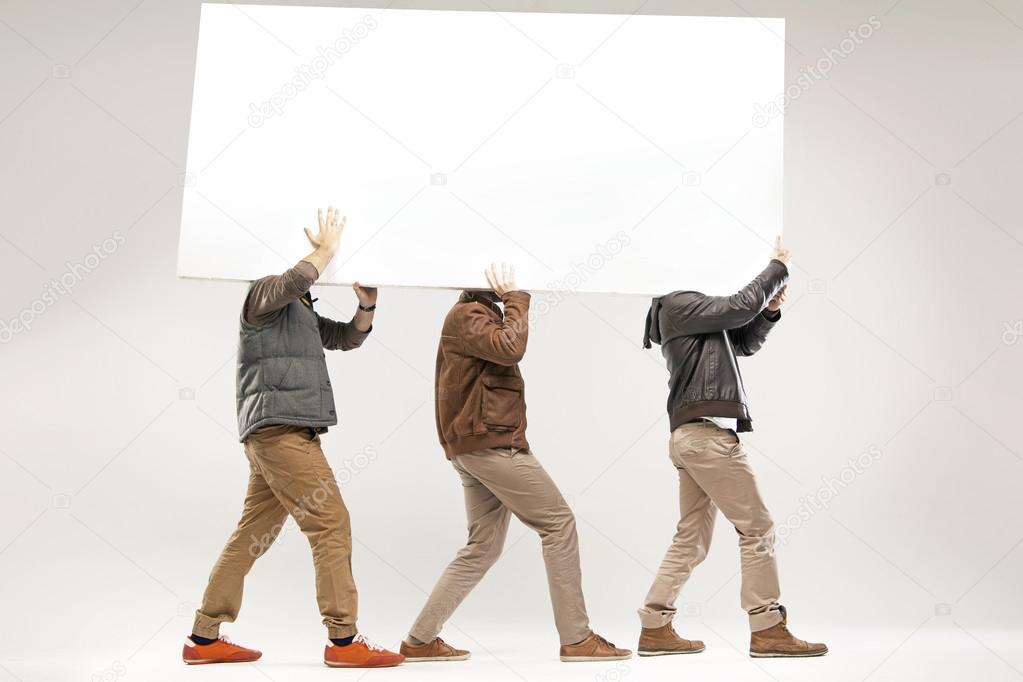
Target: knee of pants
column 701, row 553
column 560, row 522
column 759, row 536
column 327, row 521
column 486, row 555
column 317, row 505
column 252, row 544
column 482, row 551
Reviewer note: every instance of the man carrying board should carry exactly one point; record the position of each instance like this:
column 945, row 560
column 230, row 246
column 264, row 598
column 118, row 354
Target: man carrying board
column 700, row 337
column 481, row 421
column 285, row 402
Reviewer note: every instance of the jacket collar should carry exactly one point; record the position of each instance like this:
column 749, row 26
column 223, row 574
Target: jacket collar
column 481, row 297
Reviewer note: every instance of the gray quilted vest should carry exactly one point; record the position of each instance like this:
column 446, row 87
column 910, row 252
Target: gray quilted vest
column 282, row 373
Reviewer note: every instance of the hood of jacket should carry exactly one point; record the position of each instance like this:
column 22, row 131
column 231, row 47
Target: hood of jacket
column 652, row 332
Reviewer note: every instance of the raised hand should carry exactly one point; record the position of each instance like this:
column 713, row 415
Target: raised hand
column 330, row 228
column 367, row 295
column 501, row 280
column 779, row 252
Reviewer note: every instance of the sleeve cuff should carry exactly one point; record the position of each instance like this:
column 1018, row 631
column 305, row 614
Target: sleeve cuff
column 308, row 271
column 771, row 316
column 784, row 267
column 518, row 293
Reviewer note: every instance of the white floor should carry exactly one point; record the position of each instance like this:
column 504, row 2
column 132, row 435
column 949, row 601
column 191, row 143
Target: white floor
column 938, row 650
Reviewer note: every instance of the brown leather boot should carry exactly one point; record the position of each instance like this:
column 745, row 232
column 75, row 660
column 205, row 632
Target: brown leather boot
column 777, row 642
column 664, row 640
column 593, row 648
column 437, row 650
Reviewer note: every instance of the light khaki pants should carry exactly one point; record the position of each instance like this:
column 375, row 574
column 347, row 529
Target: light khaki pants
column 713, row 474
column 499, row 482
column 288, row 474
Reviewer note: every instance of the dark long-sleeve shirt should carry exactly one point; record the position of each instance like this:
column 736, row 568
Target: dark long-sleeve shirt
column 268, row 296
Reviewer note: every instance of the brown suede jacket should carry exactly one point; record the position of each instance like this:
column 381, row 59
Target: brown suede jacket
column 480, row 396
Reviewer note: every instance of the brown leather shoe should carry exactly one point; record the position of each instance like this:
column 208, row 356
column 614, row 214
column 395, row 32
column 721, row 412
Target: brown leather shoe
column 777, row 642
column 437, row 650
column 593, row 648
column 664, row 641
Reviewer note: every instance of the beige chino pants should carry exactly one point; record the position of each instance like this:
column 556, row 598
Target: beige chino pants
column 497, row 483
column 288, row 474
column 713, row 473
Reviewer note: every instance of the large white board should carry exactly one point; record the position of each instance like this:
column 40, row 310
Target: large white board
column 596, row 152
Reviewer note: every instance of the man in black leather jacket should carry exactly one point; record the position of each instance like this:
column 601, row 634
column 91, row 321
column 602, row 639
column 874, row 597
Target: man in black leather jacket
column 700, row 337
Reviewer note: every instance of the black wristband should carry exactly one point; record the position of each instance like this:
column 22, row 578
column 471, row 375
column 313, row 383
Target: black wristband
column 368, row 309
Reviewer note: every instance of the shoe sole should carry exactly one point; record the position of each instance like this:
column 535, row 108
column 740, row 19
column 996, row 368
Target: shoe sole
column 335, row 664
column 210, row 661
column 429, row 659
column 658, row 652
column 583, row 659
column 768, row 654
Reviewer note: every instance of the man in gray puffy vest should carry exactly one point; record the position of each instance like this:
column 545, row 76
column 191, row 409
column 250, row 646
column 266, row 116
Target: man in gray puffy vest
column 285, row 402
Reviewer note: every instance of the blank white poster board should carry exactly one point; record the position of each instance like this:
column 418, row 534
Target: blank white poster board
column 595, row 152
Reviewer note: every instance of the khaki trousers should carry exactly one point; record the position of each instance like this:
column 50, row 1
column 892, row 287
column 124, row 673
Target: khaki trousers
column 288, row 474
column 499, row 482
column 713, row 473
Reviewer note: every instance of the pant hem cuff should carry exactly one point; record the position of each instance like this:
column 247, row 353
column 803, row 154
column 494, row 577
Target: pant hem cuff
column 655, row 620
column 208, row 633
column 342, row 631
column 576, row 639
column 762, row 621
column 423, row 636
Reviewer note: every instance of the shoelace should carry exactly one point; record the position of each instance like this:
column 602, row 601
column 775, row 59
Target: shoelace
column 785, row 627
column 359, row 638
column 225, row 639
column 601, row 639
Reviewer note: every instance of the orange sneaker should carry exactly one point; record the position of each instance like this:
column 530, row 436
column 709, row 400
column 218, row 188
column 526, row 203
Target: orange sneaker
column 360, row 654
column 221, row 651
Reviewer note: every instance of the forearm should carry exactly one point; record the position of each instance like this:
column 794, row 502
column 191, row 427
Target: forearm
column 501, row 342
column 268, row 295
column 696, row 313
column 341, row 335
column 363, row 320
column 320, row 259
column 749, row 338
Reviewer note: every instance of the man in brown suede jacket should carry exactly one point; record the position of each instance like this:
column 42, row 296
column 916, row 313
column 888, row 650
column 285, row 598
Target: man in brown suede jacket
column 481, row 421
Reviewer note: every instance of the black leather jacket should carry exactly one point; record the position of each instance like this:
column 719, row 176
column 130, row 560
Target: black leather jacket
column 700, row 337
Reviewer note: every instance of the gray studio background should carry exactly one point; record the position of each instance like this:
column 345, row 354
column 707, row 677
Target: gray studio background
column 121, row 475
